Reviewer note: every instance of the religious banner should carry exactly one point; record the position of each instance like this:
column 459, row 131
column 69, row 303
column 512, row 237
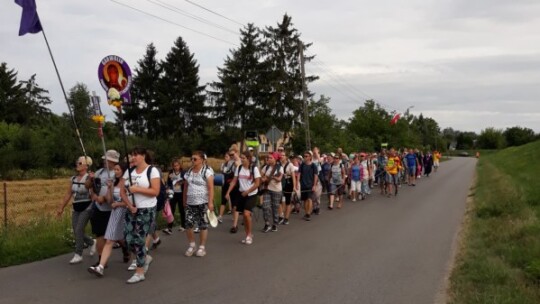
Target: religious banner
column 115, row 78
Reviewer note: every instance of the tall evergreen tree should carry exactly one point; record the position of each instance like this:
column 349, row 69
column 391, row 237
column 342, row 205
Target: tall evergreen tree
column 141, row 116
column 234, row 96
column 11, row 96
column 79, row 99
column 283, row 105
column 181, row 105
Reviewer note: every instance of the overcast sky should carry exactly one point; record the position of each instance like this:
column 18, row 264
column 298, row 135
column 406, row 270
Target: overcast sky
column 467, row 64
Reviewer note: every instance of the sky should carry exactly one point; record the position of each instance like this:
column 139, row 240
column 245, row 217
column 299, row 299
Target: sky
column 469, row 65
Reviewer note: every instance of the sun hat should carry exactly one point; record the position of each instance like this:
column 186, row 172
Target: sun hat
column 212, row 218
column 112, row 155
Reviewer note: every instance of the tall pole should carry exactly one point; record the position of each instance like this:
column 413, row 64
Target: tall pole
column 65, row 95
column 305, row 97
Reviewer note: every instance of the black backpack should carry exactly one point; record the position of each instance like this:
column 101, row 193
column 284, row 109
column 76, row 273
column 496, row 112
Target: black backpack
column 162, row 196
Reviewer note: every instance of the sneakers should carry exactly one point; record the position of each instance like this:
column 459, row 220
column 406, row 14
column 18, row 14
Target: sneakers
column 136, row 278
column 234, row 229
column 200, row 252
column 281, row 221
column 76, row 259
column 93, row 247
column 266, row 228
column 167, row 231
column 97, row 270
column 147, row 263
column 317, row 211
column 133, row 265
column 354, row 199
column 248, row 240
column 307, row 217
column 274, row 228
column 220, row 219
column 181, row 229
column 156, row 244
column 190, row 251
column 285, row 221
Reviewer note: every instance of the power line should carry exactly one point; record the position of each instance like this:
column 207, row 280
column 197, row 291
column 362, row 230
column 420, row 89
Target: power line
column 184, row 13
column 344, row 93
column 172, row 22
column 215, row 13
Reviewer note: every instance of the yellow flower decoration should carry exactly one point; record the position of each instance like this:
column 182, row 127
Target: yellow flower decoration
column 98, row 118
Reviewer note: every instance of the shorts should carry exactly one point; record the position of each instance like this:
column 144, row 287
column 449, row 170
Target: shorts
column 306, row 194
column 391, row 178
column 356, row 186
column 235, row 197
column 436, row 163
column 288, row 192
column 196, row 215
column 99, row 222
column 336, row 189
column 246, row 203
column 412, row 170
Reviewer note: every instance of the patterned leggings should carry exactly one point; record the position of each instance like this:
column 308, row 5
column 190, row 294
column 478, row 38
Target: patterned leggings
column 136, row 230
column 271, row 202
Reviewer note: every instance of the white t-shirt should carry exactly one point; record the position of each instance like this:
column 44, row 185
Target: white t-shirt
column 245, row 180
column 141, row 180
column 197, row 188
column 364, row 165
column 274, row 185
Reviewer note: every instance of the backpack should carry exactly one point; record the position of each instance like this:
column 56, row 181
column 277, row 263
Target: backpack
column 251, row 171
column 162, row 195
column 204, row 169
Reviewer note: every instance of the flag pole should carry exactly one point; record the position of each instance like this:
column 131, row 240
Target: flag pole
column 64, row 92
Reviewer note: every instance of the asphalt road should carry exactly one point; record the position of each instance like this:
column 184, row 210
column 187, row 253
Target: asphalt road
column 381, row 250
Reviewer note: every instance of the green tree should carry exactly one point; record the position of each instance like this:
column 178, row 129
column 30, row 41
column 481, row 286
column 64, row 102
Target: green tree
column 240, row 84
column 35, row 101
column 142, row 115
column 79, row 99
column 371, row 121
column 282, row 104
column 517, row 136
column 491, row 138
column 466, row 140
column 12, row 107
column 181, row 104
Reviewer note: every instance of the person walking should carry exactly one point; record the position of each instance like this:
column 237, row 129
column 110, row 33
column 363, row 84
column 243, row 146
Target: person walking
column 337, row 178
column 308, row 177
column 115, row 228
column 175, row 183
column 142, row 208
column 82, row 208
column 248, row 177
column 198, row 198
column 272, row 174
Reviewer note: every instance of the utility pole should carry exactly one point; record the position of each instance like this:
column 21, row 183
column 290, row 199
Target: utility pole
column 304, row 95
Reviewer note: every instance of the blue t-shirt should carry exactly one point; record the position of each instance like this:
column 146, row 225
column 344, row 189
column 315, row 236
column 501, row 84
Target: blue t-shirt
column 411, row 160
column 355, row 172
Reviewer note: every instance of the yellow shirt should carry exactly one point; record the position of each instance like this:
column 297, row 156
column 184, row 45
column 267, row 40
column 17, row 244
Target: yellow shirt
column 392, row 165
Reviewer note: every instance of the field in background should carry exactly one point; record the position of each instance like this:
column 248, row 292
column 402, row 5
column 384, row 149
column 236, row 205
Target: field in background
column 499, row 261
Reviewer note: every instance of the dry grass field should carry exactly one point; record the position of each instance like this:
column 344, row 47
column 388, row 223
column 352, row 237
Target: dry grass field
column 31, row 199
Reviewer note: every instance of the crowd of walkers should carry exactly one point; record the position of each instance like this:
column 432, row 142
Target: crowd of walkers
column 121, row 200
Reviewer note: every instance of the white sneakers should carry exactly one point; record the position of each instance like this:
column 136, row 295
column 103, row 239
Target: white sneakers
column 76, row 259
column 93, row 248
column 133, row 265
column 136, row 278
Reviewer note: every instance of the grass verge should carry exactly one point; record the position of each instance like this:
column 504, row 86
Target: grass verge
column 39, row 239
column 499, row 261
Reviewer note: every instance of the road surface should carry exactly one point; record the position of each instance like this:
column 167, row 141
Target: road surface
column 381, row 250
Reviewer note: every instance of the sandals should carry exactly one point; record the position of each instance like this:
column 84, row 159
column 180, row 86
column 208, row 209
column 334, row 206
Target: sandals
column 190, row 251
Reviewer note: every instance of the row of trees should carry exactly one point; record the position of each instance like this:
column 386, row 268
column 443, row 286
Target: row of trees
column 259, row 85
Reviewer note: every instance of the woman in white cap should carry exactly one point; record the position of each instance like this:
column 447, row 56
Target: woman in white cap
column 82, row 210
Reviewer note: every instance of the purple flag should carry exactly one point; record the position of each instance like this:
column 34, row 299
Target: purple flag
column 30, row 19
